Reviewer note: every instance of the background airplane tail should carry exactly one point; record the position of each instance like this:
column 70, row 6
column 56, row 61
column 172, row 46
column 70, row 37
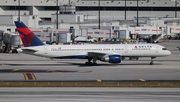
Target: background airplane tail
column 27, row 36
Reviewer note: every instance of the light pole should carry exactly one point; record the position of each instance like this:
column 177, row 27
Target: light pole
column 19, row 10
column 175, row 8
column 57, row 9
column 125, row 11
column 99, row 15
column 137, row 14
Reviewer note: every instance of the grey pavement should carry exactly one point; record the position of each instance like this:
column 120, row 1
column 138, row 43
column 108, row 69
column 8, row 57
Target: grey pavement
column 89, row 94
column 12, row 67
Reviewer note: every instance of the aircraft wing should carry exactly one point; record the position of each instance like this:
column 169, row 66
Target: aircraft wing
column 100, row 54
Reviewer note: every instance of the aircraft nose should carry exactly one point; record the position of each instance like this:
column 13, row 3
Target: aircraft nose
column 169, row 53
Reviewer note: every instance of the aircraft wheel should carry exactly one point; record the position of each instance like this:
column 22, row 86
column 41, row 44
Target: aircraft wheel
column 151, row 63
column 130, row 58
column 137, row 58
column 88, row 63
column 94, row 64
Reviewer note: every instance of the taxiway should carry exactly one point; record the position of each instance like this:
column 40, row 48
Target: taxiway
column 89, row 94
column 22, row 67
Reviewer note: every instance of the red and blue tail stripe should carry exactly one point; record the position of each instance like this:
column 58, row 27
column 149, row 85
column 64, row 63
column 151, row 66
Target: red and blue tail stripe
column 27, row 36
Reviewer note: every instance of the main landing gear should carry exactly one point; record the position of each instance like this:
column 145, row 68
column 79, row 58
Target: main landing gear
column 151, row 63
column 91, row 63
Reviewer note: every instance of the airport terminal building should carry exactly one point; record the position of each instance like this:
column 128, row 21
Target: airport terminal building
column 157, row 18
column 110, row 9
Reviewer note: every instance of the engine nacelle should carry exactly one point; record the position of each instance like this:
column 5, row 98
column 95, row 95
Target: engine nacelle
column 112, row 59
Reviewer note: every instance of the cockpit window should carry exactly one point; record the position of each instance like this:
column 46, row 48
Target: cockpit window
column 164, row 48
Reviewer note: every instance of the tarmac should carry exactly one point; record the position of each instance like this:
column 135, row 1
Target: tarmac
column 22, row 67
column 78, row 94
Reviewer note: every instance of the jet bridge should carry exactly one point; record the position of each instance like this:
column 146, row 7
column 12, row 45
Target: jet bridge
column 156, row 38
column 150, row 34
column 151, row 38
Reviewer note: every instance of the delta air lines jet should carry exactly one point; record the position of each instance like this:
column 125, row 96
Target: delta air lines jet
column 112, row 53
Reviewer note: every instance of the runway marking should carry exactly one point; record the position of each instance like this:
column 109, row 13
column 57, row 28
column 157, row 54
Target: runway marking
column 99, row 80
column 33, row 76
column 29, row 76
column 25, row 76
column 142, row 80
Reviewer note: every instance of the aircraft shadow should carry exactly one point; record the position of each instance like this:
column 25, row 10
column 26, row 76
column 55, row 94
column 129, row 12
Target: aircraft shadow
column 104, row 64
column 83, row 65
column 62, row 64
column 33, row 64
column 39, row 71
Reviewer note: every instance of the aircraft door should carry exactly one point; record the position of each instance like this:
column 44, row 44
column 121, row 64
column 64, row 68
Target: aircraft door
column 125, row 49
column 45, row 50
column 156, row 50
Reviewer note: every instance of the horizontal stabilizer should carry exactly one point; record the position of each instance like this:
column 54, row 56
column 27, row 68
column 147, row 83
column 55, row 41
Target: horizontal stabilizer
column 29, row 50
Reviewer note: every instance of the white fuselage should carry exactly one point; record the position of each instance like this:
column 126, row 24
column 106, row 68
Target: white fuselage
column 125, row 50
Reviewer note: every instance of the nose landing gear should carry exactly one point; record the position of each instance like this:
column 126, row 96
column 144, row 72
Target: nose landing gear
column 151, row 63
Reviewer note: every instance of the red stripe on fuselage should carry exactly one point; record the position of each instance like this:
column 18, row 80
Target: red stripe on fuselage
column 29, row 35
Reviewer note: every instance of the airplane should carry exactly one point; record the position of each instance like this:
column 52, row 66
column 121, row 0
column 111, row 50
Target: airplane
column 112, row 53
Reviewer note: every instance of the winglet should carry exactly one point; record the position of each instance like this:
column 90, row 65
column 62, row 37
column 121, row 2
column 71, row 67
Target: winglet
column 27, row 36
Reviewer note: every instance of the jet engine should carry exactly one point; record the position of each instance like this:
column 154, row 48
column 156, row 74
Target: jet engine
column 112, row 58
